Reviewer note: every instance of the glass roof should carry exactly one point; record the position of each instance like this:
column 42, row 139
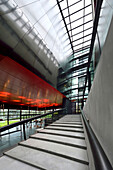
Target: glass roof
column 78, row 18
column 64, row 26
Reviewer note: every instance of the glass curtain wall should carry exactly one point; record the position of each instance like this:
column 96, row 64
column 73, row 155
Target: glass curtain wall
column 78, row 18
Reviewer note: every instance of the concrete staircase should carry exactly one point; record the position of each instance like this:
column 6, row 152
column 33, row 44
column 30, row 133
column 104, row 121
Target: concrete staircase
column 60, row 146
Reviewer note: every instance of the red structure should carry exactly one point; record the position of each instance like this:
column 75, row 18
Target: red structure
column 19, row 86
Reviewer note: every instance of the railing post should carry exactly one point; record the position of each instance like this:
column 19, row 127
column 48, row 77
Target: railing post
column 24, row 131
column 52, row 117
column 8, row 117
column 20, row 114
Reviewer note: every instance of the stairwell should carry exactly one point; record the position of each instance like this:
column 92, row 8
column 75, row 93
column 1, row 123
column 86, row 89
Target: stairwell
column 60, row 146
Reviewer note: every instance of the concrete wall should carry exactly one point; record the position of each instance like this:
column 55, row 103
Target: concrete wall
column 103, row 27
column 99, row 105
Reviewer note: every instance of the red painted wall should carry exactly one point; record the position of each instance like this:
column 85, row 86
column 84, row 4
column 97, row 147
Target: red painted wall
column 21, row 87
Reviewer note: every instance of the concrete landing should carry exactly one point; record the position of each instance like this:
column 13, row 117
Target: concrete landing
column 59, row 146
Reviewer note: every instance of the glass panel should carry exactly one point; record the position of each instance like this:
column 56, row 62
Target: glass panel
column 86, row 32
column 76, row 43
column 77, row 47
column 87, row 38
column 87, row 43
column 78, row 36
column 88, row 9
column 65, row 12
column 76, row 7
column 77, row 23
column 77, row 30
column 88, row 18
column 72, row 2
column 88, row 25
column 87, row 2
column 63, row 4
column 76, row 16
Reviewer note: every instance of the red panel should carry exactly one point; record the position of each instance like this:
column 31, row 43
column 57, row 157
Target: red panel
column 20, row 86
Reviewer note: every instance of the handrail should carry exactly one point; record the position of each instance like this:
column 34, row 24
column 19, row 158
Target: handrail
column 100, row 159
column 26, row 121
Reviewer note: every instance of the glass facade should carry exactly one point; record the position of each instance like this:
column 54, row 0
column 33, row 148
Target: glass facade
column 78, row 16
column 57, row 33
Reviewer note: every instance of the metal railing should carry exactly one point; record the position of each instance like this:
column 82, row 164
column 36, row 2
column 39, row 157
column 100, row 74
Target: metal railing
column 100, row 159
column 23, row 122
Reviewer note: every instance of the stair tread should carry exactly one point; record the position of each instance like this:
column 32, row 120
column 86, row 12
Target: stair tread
column 51, row 149
column 64, row 128
column 66, row 125
column 45, row 160
column 66, row 140
column 73, row 152
column 67, row 120
column 62, row 132
column 7, row 163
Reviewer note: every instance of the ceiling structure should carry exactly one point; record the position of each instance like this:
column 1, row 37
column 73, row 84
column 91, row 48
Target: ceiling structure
column 61, row 28
column 78, row 21
column 64, row 26
column 77, row 16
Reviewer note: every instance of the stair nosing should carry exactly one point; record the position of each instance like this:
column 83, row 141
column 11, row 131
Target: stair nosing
column 81, row 127
column 26, row 162
column 78, row 137
column 57, row 154
column 65, row 130
column 74, row 123
column 59, row 142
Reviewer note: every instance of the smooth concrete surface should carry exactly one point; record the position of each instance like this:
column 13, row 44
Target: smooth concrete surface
column 7, row 163
column 99, row 105
column 57, row 138
column 71, row 134
column 72, row 152
column 67, row 125
column 70, row 118
column 55, row 151
column 65, row 129
column 45, row 160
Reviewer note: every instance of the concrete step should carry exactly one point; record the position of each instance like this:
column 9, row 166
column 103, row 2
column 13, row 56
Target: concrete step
column 69, row 123
column 66, row 125
column 63, row 133
column 59, row 146
column 71, row 118
column 61, row 140
column 43, row 160
column 65, row 129
column 8, row 163
column 76, row 154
